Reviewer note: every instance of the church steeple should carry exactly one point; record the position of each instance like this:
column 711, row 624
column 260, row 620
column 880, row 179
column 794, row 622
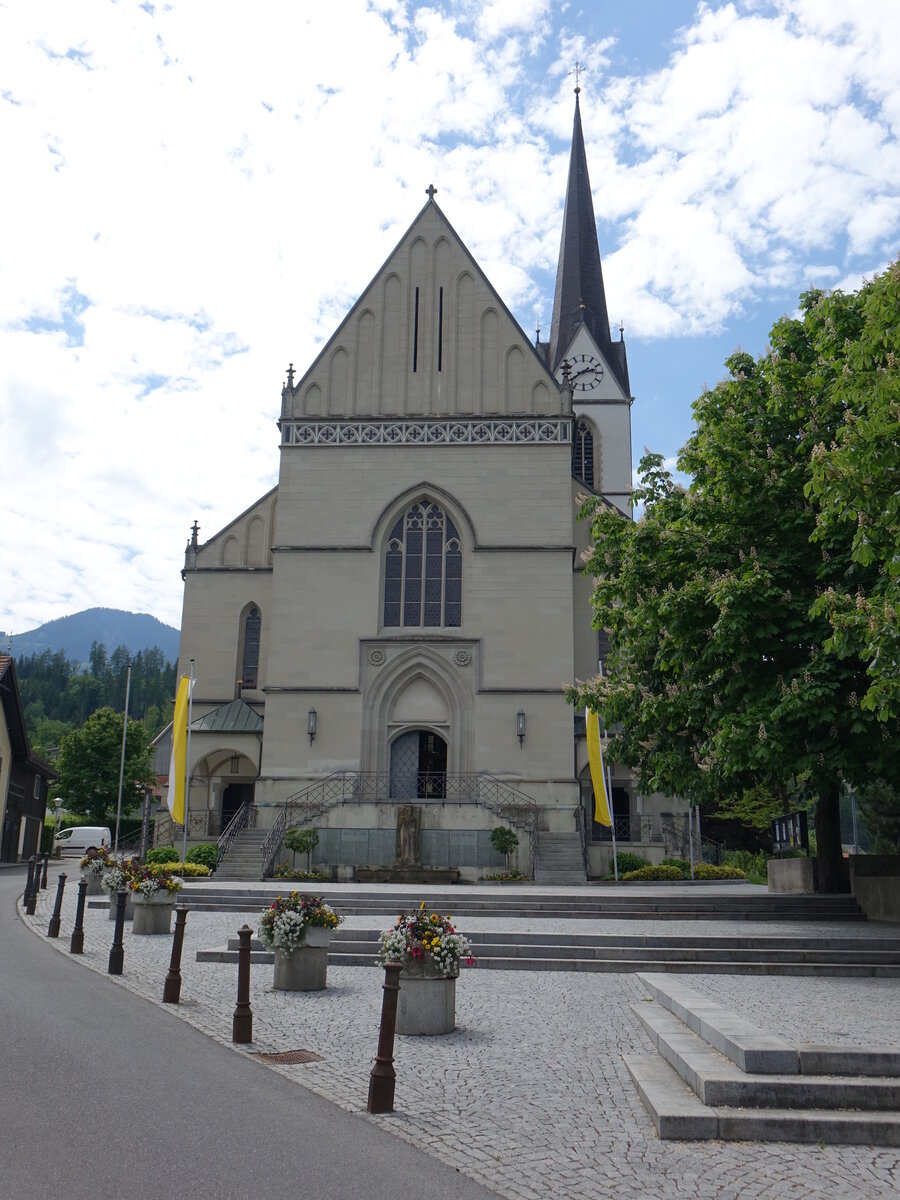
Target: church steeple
column 580, row 295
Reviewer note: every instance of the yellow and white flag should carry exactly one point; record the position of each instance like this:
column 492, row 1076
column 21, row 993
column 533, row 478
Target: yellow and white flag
column 602, row 806
column 178, row 761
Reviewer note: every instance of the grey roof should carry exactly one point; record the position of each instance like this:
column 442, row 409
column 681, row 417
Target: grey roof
column 580, row 295
column 235, row 717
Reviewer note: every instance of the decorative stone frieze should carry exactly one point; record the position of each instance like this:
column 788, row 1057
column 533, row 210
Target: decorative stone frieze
column 513, row 432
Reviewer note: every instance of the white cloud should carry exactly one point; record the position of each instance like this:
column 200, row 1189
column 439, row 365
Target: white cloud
column 202, row 190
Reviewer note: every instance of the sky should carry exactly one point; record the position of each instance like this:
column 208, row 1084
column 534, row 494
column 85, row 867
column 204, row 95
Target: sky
column 196, row 192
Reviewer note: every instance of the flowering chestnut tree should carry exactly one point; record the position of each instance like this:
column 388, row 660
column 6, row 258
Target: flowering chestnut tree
column 726, row 676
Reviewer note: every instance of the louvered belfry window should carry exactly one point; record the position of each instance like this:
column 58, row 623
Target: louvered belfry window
column 423, row 570
column 583, row 454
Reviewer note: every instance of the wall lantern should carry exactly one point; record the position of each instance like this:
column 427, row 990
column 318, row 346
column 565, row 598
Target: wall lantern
column 311, row 719
column 520, row 726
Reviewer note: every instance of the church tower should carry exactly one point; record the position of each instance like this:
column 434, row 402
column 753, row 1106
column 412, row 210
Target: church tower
column 580, row 335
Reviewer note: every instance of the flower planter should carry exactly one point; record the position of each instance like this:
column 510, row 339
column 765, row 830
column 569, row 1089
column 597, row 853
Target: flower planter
column 94, row 884
column 129, row 906
column 317, row 935
column 153, row 914
column 303, row 969
column 426, row 1005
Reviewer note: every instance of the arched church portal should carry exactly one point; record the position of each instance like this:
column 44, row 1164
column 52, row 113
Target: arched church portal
column 418, row 765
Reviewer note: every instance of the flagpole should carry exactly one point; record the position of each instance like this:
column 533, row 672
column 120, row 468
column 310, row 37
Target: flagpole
column 187, row 767
column 122, row 761
column 612, row 821
column 691, row 836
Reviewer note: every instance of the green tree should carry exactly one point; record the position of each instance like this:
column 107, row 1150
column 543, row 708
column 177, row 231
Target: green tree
column 720, row 680
column 856, row 482
column 504, row 840
column 302, row 841
column 88, row 766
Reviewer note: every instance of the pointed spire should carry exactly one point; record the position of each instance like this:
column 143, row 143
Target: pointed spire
column 580, row 295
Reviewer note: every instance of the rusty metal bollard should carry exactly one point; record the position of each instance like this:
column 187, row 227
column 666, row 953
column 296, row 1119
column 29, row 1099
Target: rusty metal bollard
column 76, row 945
column 383, row 1075
column 53, row 927
column 30, row 897
column 242, row 1025
column 117, row 950
column 172, row 986
column 44, row 874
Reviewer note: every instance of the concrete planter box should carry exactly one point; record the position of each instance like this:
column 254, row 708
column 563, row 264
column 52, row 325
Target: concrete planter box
column 791, row 875
column 129, row 906
column 317, row 935
column 875, row 882
column 153, row 914
column 94, row 886
column 304, row 969
column 426, row 1005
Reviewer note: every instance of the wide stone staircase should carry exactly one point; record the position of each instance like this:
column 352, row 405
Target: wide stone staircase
column 242, row 863
column 529, row 949
column 717, row 1076
column 558, row 859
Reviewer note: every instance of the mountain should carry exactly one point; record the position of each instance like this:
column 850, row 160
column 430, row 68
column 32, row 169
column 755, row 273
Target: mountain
column 112, row 627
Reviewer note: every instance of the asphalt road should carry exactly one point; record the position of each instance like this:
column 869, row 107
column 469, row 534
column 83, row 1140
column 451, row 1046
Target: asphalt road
column 104, row 1096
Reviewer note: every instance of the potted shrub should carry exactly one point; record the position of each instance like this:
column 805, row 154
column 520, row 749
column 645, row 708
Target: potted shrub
column 431, row 951
column 154, row 891
column 299, row 928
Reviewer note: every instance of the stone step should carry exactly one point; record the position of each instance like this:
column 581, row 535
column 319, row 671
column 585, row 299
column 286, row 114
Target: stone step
column 719, row 1083
column 678, row 1113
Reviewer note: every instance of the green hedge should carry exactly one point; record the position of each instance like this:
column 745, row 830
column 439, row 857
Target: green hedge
column 708, row 871
column 626, row 862
column 163, row 854
column 206, row 854
column 659, row 873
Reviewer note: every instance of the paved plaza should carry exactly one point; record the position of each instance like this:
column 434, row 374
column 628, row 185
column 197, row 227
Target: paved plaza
column 530, row 1095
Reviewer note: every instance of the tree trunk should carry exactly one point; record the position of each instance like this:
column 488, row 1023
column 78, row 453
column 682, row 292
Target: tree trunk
column 828, row 837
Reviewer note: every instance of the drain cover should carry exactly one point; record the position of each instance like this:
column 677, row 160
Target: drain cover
column 289, row 1057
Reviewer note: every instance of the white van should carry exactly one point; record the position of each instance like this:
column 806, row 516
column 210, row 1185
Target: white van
column 78, row 839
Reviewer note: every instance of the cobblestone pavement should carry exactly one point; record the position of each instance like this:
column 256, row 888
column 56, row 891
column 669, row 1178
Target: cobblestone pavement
column 530, row 1095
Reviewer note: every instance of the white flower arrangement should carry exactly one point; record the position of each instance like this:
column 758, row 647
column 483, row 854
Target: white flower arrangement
column 114, row 879
column 428, row 938
column 286, row 921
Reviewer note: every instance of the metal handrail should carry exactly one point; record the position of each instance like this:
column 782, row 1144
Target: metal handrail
column 242, row 819
column 359, row 787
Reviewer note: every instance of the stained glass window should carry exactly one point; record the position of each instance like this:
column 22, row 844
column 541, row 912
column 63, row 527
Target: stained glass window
column 423, row 570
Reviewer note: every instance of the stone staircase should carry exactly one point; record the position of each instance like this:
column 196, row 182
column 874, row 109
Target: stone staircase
column 242, row 862
column 716, row 1076
column 558, row 859
column 560, row 952
column 675, row 902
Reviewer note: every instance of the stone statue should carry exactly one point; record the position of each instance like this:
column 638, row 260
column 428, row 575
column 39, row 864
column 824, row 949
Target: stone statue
column 409, row 819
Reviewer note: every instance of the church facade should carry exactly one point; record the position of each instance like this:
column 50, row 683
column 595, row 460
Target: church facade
column 391, row 626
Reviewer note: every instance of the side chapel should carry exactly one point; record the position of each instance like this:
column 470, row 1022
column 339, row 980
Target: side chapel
column 391, row 626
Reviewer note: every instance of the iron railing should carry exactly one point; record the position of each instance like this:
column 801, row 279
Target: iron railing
column 166, row 832
column 676, row 837
column 244, row 818
column 353, row 787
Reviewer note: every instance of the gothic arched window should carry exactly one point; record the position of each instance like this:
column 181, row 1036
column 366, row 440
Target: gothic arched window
column 423, row 569
column 250, row 658
column 583, row 454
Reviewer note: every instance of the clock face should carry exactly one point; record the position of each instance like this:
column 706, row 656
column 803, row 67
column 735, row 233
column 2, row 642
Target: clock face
column 587, row 372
